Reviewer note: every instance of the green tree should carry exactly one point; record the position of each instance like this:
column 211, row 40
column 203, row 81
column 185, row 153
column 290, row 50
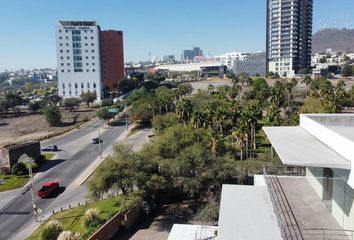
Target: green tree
column 347, row 70
column 88, row 97
column 184, row 110
column 34, row 106
column 272, row 117
column 312, row 105
column 71, row 103
column 52, row 115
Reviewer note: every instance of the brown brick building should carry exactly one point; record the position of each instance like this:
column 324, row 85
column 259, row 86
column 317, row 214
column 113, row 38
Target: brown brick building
column 112, row 58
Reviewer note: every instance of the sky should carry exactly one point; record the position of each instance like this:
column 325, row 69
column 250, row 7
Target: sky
column 27, row 37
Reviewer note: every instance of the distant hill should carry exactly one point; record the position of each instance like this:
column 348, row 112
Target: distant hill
column 339, row 40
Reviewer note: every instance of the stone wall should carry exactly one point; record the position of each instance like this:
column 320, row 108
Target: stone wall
column 109, row 229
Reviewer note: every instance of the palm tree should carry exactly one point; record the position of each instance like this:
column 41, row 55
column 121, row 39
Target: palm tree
column 184, row 110
column 210, row 88
column 240, row 136
column 220, row 115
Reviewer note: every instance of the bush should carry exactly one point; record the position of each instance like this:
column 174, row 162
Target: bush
column 71, row 103
column 19, row 168
column 92, row 218
column 67, row 235
column 52, row 115
column 51, row 230
column 107, row 102
column 208, row 213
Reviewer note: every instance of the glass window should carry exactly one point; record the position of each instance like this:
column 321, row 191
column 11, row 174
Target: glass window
column 93, row 70
column 85, row 31
column 61, row 51
column 76, row 32
column 92, row 38
column 88, row 85
column 93, row 63
column 86, row 44
column 60, row 44
column 61, row 58
column 60, row 37
column 92, row 44
column 69, row 85
column 94, row 85
column 59, row 30
column 86, row 51
column 82, row 85
column 86, row 57
column 68, row 64
column 67, row 51
column 87, row 70
column 75, row 85
column 87, row 64
column 62, row 70
column 77, row 70
column 63, row 85
column 85, row 37
column 93, row 57
column 66, row 37
column 66, row 31
column 67, row 57
column 92, row 31
column 62, row 64
column 92, row 50
column 68, row 70
column 67, row 44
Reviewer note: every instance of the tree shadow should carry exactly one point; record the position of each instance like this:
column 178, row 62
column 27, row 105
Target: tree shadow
column 45, row 165
column 117, row 123
column 3, row 124
column 65, row 124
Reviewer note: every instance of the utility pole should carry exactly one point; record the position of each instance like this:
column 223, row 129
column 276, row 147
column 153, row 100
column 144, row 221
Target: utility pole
column 99, row 135
column 126, row 116
column 33, row 195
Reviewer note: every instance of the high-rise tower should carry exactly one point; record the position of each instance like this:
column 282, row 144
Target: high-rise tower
column 289, row 36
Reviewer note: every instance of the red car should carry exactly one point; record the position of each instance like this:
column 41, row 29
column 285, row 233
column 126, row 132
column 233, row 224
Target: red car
column 47, row 189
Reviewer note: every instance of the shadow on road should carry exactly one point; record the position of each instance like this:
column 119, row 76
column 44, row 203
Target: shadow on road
column 49, row 164
column 59, row 191
column 117, row 123
column 14, row 213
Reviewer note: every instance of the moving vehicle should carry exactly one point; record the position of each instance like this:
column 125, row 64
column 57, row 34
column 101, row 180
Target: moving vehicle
column 48, row 188
column 51, row 148
column 96, row 140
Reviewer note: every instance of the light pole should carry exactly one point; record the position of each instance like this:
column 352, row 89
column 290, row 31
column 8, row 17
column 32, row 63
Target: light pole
column 126, row 116
column 33, row 195
column 99, row 135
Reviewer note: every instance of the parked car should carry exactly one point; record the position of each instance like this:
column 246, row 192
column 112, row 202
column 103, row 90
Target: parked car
column 96, row 140
column 51, row 148
column 48, row 188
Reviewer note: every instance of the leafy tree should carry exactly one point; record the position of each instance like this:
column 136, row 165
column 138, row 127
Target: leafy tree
column 52, row 115
column 347, row 70
column 260, row 89
column 71, row 103
column 28, row 87
column 88, row 97
column 107, row 102
column 4, row 105
column 272, row 117
column 312, row 105
column 104, row 114
column 13, row 99
column 162, row 122
column 277, row 94
column 126, row 85
column 34, row 106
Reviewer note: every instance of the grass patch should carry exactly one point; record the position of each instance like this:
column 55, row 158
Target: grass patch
column 48, row 156
column 12, row 182
column 72, row 219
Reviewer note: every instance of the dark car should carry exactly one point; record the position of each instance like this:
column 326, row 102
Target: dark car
column 96, row 140
column 51, row 148
column 47, row 189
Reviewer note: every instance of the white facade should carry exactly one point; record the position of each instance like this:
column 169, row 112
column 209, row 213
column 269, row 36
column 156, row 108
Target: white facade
column 78, row 58
column 228, row 59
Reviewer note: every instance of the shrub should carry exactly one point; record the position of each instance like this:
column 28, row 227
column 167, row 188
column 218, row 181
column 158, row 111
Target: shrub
column 52, row 115
column 92, row 218
column 19, row 168
column 51, row 230
column 67, row 235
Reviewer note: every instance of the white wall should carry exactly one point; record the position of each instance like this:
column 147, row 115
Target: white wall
column 338, row 143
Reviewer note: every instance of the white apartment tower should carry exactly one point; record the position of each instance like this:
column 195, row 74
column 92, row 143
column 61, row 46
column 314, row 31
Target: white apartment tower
column 289, row 36
column 78, row 58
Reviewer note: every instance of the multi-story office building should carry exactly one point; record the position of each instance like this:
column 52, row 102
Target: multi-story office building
column 112, row 58
column 189, row 55
column 80, row 58
column 289, row 36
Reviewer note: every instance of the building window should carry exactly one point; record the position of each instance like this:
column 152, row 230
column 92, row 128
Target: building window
column 85, row 37
column 67, row 57
column 67, row 51
column 92, row 38
column 62, row 70
column 93, row 64
column 68, row 70
column 59, row 30
column 69, row 85
column 82, row 85
column 87, row 70
column 88, row 85
column 62, row 64
column 63, row 92
column 92, row 50
column 86, row 44
column 86, row 57
column 85, row 31
column 61, row 58
column 68, row 64
column 75, row 85
column 60, row 38
column 86, row 51
column 94, row 85
column 93, row 57
column 93, row 70
column 92, row 31
column 63, row 85
column 92, row 44
column 66, row 31
column 60, row 44
column 61, row 51
column 66, row 37
column 87, row 64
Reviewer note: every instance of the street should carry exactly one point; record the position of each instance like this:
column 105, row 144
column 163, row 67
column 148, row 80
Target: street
column 75, row 155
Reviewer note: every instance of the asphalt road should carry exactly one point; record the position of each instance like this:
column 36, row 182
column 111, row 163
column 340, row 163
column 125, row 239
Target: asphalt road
column 76, row 153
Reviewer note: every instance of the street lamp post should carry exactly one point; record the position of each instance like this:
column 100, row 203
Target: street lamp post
column 33, row 195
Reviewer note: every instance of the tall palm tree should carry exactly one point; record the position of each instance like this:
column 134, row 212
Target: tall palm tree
column 184, row 110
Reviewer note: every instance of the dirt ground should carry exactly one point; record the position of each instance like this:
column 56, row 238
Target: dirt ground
column 34, row 126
